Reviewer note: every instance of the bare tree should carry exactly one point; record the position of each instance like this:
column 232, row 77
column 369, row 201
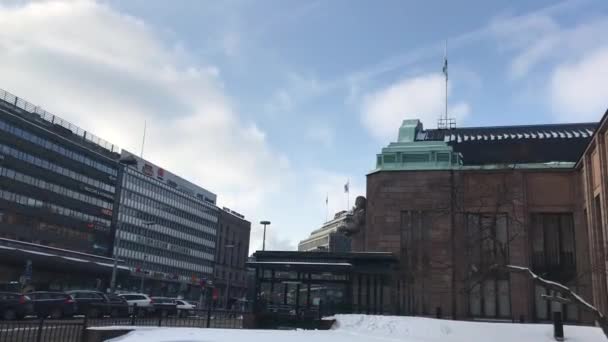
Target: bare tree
column 497, row 260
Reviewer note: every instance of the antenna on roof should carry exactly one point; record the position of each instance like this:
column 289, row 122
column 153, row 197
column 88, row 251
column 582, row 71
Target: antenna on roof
column 445, row 122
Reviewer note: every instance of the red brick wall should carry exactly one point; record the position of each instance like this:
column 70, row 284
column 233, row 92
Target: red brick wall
column 445, row 196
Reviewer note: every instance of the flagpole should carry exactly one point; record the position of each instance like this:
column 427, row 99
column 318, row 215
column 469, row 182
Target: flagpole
column 326, row 207
column 445, row 72
column 348, row 195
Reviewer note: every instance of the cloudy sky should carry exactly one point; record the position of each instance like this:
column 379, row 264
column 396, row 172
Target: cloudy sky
column 275, row 104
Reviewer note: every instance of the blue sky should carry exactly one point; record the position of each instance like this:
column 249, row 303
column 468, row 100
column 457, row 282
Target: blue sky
column 275, row 104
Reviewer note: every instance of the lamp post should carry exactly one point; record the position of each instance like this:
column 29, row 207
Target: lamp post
column 264, row 223
column 148, row 224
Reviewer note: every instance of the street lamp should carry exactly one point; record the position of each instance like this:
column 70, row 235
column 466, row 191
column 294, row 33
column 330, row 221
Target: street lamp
column 264, row 223
column 148, row 224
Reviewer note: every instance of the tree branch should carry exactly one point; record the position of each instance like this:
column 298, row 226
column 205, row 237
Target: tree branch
column 565, row 293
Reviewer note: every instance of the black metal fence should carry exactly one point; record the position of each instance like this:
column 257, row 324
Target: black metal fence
column 74, row 329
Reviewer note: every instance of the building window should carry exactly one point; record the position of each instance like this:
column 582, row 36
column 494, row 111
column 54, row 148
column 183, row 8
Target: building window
column 553, row 255
column 553, row 242
column 487, row 245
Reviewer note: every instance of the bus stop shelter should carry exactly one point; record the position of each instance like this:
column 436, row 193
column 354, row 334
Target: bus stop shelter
column 305, row 284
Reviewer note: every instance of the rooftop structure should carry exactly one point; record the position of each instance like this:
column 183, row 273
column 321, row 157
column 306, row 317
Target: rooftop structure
column 542, row 146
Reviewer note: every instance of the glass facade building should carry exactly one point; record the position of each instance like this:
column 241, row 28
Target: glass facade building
column 57, row 185
column 166, row 228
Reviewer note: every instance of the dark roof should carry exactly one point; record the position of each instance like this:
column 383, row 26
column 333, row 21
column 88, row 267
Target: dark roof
column 551, row 131
column 515, row 144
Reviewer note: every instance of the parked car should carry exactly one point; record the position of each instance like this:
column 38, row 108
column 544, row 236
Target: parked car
column 93, row 304
column 184, row 308
column 53, row 304
column 117, row 306
column 144, row 303
column 15, row 306
column 164, row 306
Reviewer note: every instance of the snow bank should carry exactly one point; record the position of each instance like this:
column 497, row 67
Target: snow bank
column 435, row 330
column 364, row 328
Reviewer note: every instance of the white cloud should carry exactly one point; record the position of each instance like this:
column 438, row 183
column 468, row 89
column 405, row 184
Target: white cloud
column 420, row 97
column 320, row 133
column 579, row 91
column 539, row 40
column 108, row 72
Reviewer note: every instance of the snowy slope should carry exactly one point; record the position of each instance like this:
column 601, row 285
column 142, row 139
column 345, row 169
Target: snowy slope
column 363, row 328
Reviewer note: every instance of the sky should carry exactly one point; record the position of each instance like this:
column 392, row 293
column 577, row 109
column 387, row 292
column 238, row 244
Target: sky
column 275, row 104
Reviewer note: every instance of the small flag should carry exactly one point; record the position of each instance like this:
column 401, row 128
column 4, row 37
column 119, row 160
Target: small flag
column 445, row 61
column 327, row 199
column 346, row 186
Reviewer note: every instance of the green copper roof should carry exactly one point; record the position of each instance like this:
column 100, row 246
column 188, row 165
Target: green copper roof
column 411, row 152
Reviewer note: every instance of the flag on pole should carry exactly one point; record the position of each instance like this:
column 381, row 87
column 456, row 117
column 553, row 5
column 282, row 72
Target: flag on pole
column 346, row 187
column 445, row 61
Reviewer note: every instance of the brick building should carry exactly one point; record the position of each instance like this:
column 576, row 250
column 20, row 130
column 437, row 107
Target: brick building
column 451, row 203
column 592, row 170
column 231, row 255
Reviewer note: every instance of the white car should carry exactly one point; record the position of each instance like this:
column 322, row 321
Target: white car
column 184, row 308
column 144, row 303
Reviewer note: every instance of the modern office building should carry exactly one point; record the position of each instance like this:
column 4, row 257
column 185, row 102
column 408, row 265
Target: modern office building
column 328, row 237
column 230, row 258
column 166, row 229
column 57, row 188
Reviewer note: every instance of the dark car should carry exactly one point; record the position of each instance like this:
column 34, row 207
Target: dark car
column 116, row 306
column 164, row 306
column 93, row 304
column 14, row 305
column 53, row 304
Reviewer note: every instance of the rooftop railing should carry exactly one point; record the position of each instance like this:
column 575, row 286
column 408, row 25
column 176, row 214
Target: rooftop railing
column 55, row 120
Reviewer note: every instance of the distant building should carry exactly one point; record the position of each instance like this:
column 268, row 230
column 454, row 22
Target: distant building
column 327, row 238
column 230, row 257
column 166, row 229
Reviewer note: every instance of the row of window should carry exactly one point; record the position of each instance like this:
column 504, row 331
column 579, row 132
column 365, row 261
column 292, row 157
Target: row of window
column 97, row 223
column 169, row 272
column 155, row 262
column 163, row 203
column 164, row 227
column 138, row 203
column 20, row 177
column 161, row 192
column 187, row 243
column 45, row 164
column 33, row 230
column 161, row 247
column 81, row 158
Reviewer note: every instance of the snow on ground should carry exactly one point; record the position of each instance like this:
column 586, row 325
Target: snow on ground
column 365, row 328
